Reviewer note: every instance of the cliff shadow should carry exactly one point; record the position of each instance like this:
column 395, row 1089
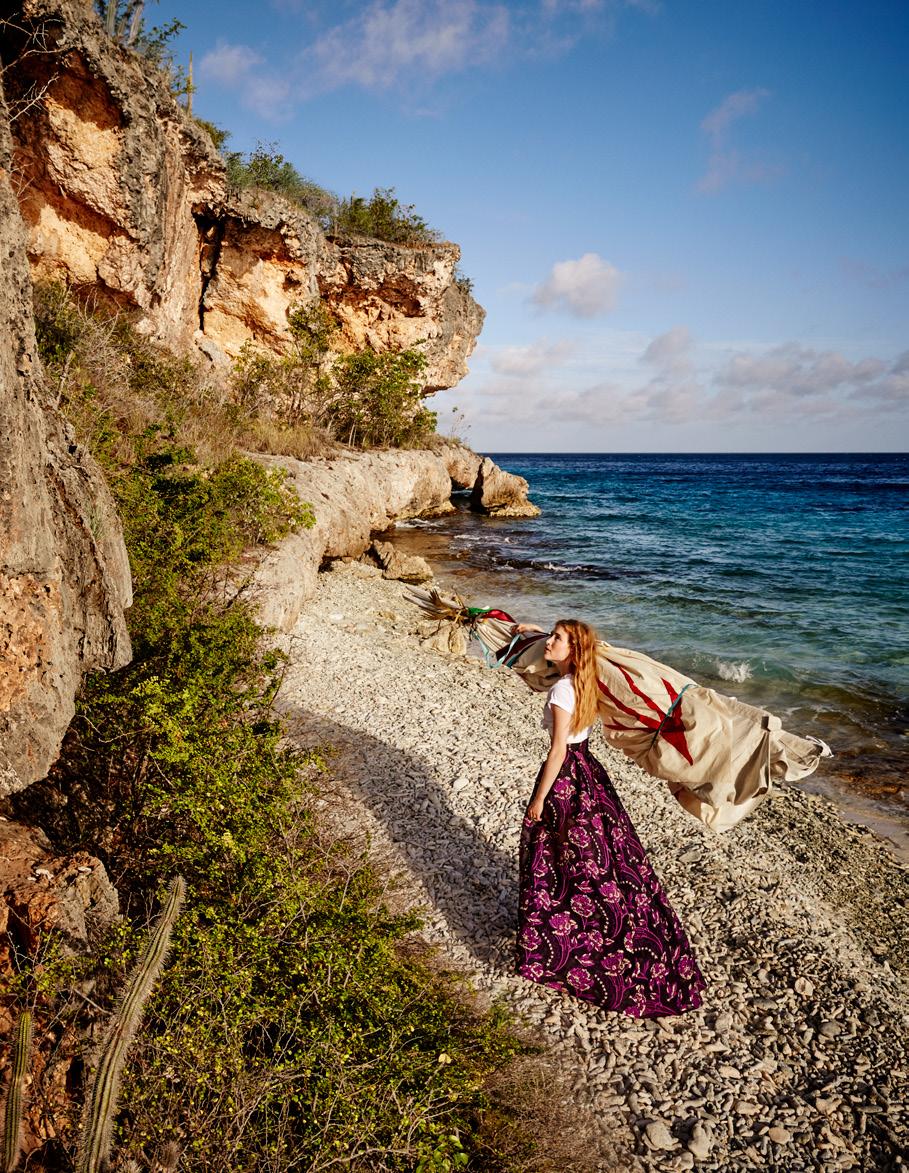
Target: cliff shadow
column 472, row 881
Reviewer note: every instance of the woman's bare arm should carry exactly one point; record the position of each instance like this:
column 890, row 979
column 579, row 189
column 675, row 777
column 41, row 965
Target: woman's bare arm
column 558, row 748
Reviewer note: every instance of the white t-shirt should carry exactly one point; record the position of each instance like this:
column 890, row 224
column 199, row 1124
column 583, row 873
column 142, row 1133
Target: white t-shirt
column 562, row 696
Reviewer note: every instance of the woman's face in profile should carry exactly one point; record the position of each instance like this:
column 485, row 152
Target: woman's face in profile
column 557, row 647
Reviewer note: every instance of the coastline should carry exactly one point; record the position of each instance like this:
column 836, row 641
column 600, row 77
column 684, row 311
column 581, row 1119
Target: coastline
column 798, row 920
column 864, row 797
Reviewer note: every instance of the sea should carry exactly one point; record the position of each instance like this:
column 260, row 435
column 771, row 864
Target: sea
column 779, row 579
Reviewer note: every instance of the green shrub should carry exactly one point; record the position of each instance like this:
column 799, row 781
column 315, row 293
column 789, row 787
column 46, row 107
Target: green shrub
column 217, row 135
column 384, row 217
column 378, row 399
column 298, row 1022
column 289, row 1025
column 266, row 168
column 365, row 399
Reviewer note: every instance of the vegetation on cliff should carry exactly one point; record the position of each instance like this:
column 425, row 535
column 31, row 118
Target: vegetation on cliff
column 299, row 1024
column 365, row 399
column 382, row 216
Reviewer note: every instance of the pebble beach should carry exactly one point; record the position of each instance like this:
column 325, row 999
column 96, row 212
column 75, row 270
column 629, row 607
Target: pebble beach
column 798, row 1058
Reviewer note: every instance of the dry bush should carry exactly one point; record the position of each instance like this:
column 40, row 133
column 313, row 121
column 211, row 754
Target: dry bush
column 532, row 1124
column 302, row 441
column 114, row 384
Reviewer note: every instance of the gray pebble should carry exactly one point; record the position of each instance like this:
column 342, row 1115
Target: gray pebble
column 658, row 1136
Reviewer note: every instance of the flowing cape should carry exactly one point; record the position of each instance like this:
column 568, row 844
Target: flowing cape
column 719, row 756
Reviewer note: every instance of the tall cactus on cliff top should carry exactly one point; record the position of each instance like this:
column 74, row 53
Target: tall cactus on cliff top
column 12, row 1117
column 122, row 25
column 104, row 1091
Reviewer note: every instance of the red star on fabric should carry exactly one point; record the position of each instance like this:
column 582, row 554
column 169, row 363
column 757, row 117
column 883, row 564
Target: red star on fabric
column 669, row 727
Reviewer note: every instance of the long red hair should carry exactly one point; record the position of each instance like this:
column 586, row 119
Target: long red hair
column 582, row 644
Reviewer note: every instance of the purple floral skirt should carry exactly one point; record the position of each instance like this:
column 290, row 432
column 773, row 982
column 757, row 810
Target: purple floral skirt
column 593, row 918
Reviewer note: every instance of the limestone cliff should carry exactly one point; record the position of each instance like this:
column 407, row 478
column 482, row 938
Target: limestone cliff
column 123, row 192
column 354, row 496
column 64, row 576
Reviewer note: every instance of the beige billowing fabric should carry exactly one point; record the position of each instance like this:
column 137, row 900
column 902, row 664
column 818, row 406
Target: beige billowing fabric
column 720, row 757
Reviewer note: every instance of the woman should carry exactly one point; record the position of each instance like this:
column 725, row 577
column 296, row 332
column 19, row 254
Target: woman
column 593, row 919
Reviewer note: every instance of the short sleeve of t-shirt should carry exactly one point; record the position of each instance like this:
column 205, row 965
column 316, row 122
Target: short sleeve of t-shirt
column 561, row 695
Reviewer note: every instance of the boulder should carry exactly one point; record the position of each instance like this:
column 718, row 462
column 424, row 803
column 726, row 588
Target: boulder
column 448, row 638
column 41, row 891
column 500, row 493
column 403, row 567
column 462, row 464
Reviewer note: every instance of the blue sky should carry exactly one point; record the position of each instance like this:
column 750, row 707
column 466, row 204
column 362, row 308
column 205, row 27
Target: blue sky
column 687, row 222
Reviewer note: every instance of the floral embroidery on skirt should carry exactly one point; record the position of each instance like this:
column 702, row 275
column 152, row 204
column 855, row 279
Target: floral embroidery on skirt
column 593, row 917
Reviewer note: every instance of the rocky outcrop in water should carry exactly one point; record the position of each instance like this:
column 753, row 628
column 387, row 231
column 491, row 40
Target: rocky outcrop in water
column 64, row 575
column 124, row 193
column 500, row 493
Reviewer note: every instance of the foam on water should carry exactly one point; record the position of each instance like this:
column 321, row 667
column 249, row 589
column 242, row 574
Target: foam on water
column 738, row 673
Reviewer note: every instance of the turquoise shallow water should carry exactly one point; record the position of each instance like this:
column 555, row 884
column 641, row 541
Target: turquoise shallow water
column 779, row 579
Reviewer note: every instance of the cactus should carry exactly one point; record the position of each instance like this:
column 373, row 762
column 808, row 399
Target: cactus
column 12, row 1117
column 135, row 22
column 104, row 1091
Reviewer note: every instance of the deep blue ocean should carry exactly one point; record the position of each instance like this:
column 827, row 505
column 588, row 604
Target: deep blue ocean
column 778, row 579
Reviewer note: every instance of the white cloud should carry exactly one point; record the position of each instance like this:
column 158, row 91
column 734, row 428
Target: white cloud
column 872, row 276
column 777, row 397
column 240, row 68
column 792, row 369
column 556, row 7
column 386, row 44
column 522, row 361
column 727, row 165
column 391, row 42
column 670, row 351
column 227, row 65
column 586, row 287
column 731, row 109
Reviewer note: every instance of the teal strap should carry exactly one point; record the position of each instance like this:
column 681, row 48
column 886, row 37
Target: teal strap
column 672, row 708
column 492, row 660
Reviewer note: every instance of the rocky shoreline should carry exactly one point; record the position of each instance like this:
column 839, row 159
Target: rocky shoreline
column 799, row 921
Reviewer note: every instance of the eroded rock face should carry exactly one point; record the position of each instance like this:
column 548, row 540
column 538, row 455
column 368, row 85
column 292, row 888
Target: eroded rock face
column 64, row 574
column 392, row 295
column 124, row 193
column 109, row 168
column 462, row 463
